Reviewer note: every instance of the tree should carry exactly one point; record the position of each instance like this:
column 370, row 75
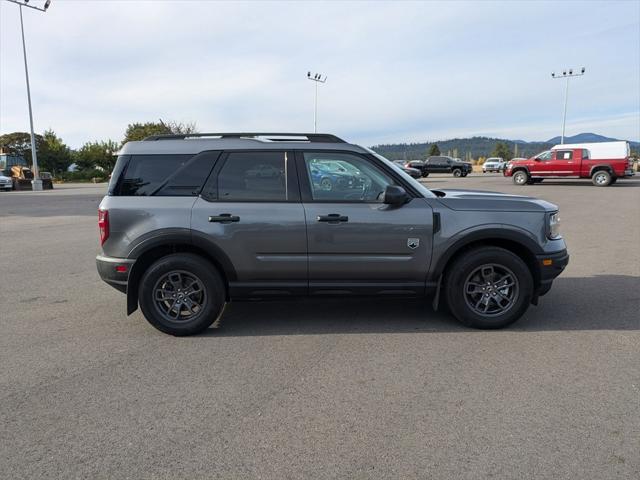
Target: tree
column 97, row 154
column 140, row 131
column 19, row 143
column 54, row 155
column 503, row 151
column 434, row 150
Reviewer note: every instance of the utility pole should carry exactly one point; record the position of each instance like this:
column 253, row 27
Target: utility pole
column 36, row 183
column 566, row 74
column 317, row 78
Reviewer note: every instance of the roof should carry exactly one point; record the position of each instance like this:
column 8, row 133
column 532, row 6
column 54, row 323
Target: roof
column 196, row 143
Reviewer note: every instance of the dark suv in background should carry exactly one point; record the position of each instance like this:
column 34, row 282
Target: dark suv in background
column 191, row 222
column 441, row 164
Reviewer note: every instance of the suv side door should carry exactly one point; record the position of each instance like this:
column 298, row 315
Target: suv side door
column 356, row 243
column 250, row 215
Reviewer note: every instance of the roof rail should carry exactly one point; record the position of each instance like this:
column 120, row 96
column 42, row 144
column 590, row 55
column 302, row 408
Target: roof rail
column 272, row 137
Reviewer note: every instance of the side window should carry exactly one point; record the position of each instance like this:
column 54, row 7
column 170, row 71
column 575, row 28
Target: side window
column 564, row 154
column 356, row 179
column 585, row 154
column 145, row 174
column 253, row 176
column 545, row 156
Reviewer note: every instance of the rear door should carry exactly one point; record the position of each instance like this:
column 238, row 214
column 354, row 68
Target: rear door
column 564, row 163
column 250, row 215
column 356, row 243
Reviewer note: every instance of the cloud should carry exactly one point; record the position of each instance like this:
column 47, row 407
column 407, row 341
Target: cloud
column 397, row 71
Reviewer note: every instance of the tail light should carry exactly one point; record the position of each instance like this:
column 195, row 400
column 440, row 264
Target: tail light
column 103, row 225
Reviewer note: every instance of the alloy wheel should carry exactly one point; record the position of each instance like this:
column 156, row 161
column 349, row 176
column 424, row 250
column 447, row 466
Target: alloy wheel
column 491, row 290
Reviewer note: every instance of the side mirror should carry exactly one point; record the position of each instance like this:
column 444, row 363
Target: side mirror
column 395, row 195
column 536, row 159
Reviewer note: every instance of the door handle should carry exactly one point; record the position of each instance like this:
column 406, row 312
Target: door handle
column 224, row 218
column 333, row 218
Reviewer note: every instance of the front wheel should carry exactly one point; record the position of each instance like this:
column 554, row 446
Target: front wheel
column 457, row 172
column 488, row 287
column 520, row 178
column 601, row 178
column 181, row 294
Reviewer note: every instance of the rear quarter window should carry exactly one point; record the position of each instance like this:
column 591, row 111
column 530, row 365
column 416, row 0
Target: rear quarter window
column 164, row 175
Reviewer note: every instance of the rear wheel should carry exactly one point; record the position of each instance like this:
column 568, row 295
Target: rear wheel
column 488, row 287
column 181, row 294
column 601, row 178
column 457, row 172
column 520, row 177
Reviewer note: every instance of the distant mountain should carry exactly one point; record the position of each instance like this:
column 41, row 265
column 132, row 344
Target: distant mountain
column 583, row 138
column 476, row 147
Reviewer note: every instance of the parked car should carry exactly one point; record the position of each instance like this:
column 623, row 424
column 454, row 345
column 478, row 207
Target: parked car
column 604, row 163
column 6, row 183
column 182, row 233
column 442, row 164
column 412, row 172
column 493, row 164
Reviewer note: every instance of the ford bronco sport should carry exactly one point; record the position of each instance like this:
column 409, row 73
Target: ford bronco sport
column 191, row 222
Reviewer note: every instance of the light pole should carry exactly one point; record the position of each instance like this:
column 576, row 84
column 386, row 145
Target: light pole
column 317, row 78
column 36, row 182
column 566, row 74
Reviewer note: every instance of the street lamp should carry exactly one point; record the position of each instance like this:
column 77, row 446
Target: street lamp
column 317, row 78
column 567, row 74
column 36, row 182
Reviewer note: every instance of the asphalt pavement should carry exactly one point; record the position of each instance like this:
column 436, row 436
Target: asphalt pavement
column 319, row 388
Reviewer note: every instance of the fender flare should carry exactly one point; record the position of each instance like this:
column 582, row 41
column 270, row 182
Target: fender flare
column 524, row 239
column 602, row 166
column 197, row 242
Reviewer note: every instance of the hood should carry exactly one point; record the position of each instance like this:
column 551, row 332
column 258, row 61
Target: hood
column 477, row 200
column 4, row 177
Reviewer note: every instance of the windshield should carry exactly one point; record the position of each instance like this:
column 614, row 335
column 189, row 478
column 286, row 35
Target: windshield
column 408, row 178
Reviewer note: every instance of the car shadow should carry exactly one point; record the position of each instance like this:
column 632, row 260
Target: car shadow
column 602, row 302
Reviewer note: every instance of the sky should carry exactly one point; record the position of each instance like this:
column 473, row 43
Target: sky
column 396, row 71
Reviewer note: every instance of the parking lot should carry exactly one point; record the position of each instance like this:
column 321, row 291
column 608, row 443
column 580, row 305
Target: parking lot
column 319, row 388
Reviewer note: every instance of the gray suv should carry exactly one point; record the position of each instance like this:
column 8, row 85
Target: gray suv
column 191, row 222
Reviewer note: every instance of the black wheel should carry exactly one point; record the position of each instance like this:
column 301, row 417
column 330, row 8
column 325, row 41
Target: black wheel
column 520, row 177
column 601, row 178
column 465, row 174
column 425, row 174
column 457, row 172
column 181, row 294
column 488, row 287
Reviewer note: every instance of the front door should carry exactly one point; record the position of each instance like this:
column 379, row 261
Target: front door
column 250, row 215
column 357, row 244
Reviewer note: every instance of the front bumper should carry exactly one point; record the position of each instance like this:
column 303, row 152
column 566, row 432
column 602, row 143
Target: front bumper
column 115, row 271
column 551, row 265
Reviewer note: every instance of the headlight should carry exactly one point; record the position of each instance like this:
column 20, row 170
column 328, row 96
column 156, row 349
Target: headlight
column 554, row 225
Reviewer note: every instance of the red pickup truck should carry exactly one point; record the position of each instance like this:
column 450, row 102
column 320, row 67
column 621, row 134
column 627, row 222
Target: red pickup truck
column 604, row 163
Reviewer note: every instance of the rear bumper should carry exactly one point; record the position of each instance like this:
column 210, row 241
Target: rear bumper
column 114, row 271
column 551, row 265
column 629, row 173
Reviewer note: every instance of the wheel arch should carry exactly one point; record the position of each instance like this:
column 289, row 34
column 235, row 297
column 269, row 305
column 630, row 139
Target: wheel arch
column 516, row 242
column 604, row 166
column 153, row 250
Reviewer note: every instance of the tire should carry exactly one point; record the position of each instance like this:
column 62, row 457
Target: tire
column 326, row 184
column 456, row 172
column 601, row 178
column 520, row 177
column 164, row 277
column 425, row 174
column 503, row 305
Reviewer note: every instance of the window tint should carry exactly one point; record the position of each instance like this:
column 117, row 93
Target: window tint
column 253, row 176
column 564, row 154
column 146, row 173
column 357, row 179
